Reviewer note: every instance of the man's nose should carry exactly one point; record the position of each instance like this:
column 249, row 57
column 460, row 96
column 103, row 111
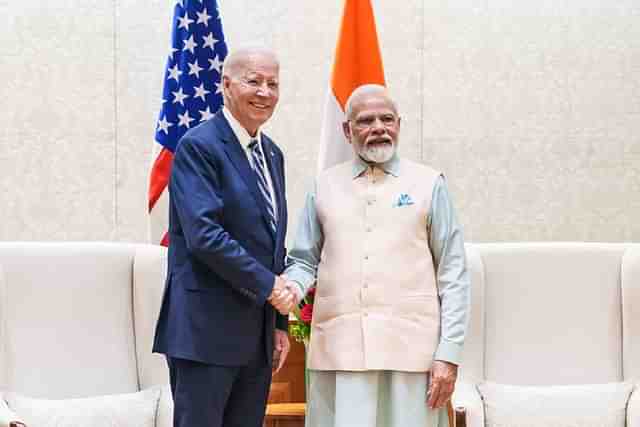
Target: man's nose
column 378, row 125
column 264, row 89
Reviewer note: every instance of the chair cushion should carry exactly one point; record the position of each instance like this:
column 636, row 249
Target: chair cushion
column 67, row 319
column 591, row 405
column 554, row 308
column 118, row 410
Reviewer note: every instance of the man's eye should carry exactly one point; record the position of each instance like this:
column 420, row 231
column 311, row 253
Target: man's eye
column 365, row 121
column 252, row 82
column 273, row 85
column 388, row 119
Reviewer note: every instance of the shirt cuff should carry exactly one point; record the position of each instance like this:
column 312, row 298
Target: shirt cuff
column 299, row 290
column 448, row 352
column 303, row 279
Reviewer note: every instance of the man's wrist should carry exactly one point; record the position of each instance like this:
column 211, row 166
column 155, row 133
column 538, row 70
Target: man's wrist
column 448, row 352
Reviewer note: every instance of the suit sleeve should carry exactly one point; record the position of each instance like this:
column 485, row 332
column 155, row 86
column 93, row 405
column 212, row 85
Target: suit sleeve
column 195, row 189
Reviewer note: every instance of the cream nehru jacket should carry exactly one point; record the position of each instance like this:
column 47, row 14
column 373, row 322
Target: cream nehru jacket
column 376, row 305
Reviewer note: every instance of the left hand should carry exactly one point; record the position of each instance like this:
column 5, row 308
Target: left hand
column 281, row 348
column 442, row 382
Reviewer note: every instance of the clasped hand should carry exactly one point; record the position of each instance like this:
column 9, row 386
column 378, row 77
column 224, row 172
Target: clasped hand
column 283, row 296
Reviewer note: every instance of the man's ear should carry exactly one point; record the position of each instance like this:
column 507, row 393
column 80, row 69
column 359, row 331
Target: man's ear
column 226, row 82
column 347, row 131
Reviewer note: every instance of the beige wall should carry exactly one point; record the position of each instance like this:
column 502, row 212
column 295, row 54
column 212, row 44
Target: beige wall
column 532, row 109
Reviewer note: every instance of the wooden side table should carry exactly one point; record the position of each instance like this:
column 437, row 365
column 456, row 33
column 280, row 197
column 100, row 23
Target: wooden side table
column 285, row 415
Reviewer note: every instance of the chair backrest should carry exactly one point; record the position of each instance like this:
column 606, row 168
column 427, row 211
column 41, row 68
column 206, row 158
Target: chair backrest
column 149, row 272
column 66, row 319
column 554, row 313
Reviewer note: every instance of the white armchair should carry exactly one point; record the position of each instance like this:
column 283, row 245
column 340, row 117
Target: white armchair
column 77, row 321
column 547, row 314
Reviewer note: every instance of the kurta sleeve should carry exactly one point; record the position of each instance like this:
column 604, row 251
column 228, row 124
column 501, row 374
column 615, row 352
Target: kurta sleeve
column 304, row 256
column 452, row 276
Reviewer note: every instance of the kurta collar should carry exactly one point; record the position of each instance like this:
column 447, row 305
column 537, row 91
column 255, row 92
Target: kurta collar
column 392, row 167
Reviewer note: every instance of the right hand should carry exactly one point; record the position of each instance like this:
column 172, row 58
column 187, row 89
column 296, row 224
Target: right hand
column 283, row 296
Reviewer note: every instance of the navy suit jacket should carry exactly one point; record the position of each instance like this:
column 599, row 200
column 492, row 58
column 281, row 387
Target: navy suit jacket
column 223, row 255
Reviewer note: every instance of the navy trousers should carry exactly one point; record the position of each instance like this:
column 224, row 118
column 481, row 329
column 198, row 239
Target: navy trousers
column 219, row 396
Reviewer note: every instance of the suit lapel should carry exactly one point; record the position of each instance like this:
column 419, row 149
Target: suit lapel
column 236, row 154
column 273, row 163
column 274, row 170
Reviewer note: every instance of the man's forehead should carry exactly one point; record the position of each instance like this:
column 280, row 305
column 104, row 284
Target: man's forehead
column 259, row 59
column 374, row 104
column 258, row 72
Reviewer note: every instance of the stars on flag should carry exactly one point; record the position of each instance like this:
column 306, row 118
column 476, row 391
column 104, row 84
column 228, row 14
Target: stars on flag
column 192, row 89
column 174, row 72
column 206, row 114
column 194, row 69
column 179, row 96
column 209, row 41
column 185, row 21
column 201, row 92
column 203, row 17
column 190, row 45
column 184, row 119
column 164, row 125
column 215, row 64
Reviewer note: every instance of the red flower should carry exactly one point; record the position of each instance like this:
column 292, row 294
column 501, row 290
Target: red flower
column 306, row 313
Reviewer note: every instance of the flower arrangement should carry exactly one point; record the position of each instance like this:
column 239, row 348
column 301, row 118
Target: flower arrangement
column 300, row 328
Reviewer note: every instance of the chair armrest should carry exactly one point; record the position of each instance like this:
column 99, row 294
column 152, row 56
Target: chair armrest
column 460, row 417
column 633, row 408
column 8, row 418
column 468, row 406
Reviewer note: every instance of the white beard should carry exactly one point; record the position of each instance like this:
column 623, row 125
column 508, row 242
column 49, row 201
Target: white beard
column 378, row 153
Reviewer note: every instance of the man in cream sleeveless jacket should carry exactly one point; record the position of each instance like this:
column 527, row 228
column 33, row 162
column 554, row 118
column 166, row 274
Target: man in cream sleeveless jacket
column 380, row 235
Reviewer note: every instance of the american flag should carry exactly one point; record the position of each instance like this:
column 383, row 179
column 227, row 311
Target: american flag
column 192, row 93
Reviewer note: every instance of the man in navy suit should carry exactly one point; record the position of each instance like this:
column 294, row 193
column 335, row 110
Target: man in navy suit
column 222, row 324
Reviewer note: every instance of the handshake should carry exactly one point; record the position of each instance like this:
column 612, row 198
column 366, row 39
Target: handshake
column 285, row 295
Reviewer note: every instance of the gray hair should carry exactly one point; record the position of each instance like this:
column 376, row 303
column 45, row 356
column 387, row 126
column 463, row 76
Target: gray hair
column 236, row 59
column 365, row 91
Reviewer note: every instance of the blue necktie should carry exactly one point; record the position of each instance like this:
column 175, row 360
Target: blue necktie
column 259, row 166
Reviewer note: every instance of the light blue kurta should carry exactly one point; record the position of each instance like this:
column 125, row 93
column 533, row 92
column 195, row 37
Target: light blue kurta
column 387, row 398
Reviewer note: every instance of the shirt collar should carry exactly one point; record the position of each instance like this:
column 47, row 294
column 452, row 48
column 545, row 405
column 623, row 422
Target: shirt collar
column 240, row 132
column 391, row 167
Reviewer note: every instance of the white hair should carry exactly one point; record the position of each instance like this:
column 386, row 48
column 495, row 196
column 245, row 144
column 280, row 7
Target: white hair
column 365, row 91
column 236, row 59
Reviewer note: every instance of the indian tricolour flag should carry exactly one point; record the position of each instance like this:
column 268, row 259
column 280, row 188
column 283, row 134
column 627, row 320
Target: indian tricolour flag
column 357, row 62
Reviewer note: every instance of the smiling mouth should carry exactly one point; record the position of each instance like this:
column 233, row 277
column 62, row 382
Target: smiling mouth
column 260, row 106
column 379, row 142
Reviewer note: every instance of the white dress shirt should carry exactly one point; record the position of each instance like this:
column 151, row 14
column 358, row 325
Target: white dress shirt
column 245, row 139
